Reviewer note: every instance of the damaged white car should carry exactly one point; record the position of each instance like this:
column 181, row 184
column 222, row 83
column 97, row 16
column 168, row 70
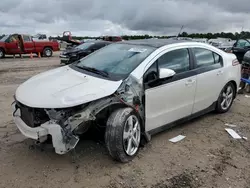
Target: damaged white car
column 133, row 88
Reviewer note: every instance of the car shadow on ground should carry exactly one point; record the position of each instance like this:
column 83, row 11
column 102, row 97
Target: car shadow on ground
column 89, row 150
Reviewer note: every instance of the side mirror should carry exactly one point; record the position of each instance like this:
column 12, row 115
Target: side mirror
column 166, row 73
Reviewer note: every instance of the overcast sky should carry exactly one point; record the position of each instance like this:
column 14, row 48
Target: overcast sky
column 120, row 17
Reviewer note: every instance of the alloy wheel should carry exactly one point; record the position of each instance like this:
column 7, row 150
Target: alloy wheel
column 48, row 53
column 227, row 97
column 131, row 135
column 1, row 53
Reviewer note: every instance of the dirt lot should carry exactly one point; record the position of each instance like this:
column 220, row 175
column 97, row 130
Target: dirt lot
column 207, row 157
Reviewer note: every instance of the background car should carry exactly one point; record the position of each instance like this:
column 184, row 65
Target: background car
column 24, row 44
column 82, row 50
column 240, row 48
column 130, row 90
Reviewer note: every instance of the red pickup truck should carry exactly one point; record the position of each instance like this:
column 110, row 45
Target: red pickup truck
column 24, row 44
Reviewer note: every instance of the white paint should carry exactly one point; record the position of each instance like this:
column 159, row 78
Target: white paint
column 177, row 138
column 63, row 87
column 169, row 102
column 233, row 133
column 230, row 125
column 245, row 138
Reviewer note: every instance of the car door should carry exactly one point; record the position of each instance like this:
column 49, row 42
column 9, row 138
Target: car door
column 167, row 100
column 11, row 45
column 210, row 78
column 240, row 48
column 28, row 44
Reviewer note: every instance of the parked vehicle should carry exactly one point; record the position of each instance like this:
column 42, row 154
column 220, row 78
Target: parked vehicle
column 82, row 50
column 132, row 89
column 245, row 73
column 240, row 47
column 67, row 37
column 39, row 36
column 24, row 44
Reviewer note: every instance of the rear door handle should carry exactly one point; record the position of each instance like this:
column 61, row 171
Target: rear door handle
column 220, row 72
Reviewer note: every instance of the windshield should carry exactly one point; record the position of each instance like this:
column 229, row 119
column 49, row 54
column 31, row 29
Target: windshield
column 85, row 45
column 4, row 38
column 117, row 60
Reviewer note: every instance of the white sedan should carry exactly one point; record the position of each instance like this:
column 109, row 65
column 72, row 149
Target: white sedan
column 130, row 90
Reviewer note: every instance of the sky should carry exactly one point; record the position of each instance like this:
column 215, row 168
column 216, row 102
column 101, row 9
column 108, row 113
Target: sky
column 123, row 17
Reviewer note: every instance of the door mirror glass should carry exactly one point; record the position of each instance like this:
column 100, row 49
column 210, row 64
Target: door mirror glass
column 166, row 73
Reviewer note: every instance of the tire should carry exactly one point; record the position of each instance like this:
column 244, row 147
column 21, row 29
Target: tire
column 226, row 98
column 119, row 134
column 47, row 52
column 248, row 88
column 2, row 53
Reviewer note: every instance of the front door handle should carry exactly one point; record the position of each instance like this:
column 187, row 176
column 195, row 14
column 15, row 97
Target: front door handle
column 190, row 82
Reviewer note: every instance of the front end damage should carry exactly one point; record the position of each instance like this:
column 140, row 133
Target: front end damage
column 65, row 126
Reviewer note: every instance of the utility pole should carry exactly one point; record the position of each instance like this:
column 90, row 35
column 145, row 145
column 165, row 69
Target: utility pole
column 180, row 31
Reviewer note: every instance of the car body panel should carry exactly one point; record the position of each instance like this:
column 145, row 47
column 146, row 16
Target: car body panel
column 63, row 87
column 206, row 92
column 166, row 104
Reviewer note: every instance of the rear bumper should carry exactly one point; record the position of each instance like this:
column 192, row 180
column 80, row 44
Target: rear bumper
column 40, row 133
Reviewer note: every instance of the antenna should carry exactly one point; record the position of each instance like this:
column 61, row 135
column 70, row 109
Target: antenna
column 179, row 32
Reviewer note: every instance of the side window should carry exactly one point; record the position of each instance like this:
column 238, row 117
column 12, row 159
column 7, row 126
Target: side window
column 26, row 38
column 247, row 44
column 177, row 60
column 203, row 57
column 217, row 59
column 241, row 43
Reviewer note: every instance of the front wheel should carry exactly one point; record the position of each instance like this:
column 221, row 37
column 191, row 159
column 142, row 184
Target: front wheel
column 226, row 98
column 123, row 134
column 2, row 54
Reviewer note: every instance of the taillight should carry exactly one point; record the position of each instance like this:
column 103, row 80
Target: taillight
column 235, row 62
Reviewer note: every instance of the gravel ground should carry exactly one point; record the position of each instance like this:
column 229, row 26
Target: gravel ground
column 207, row 157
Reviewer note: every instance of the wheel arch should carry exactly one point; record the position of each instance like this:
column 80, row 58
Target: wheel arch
column 235, row 86
column 115, row 106
column 50, row 47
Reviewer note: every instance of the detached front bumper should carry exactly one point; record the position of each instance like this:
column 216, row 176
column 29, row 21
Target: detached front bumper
column 41, row 133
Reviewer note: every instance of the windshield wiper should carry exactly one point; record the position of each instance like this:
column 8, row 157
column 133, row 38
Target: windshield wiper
column 94, row 70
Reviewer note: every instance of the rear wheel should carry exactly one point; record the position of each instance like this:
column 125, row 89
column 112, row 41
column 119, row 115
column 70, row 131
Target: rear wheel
column 123, row 134
column 226, row 98
column 47, row 52
column 2, row 53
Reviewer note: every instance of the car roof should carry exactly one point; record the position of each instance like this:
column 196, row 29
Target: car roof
column 156, row 43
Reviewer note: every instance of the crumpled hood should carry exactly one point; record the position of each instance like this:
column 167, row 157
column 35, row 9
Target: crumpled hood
column 63, row 87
